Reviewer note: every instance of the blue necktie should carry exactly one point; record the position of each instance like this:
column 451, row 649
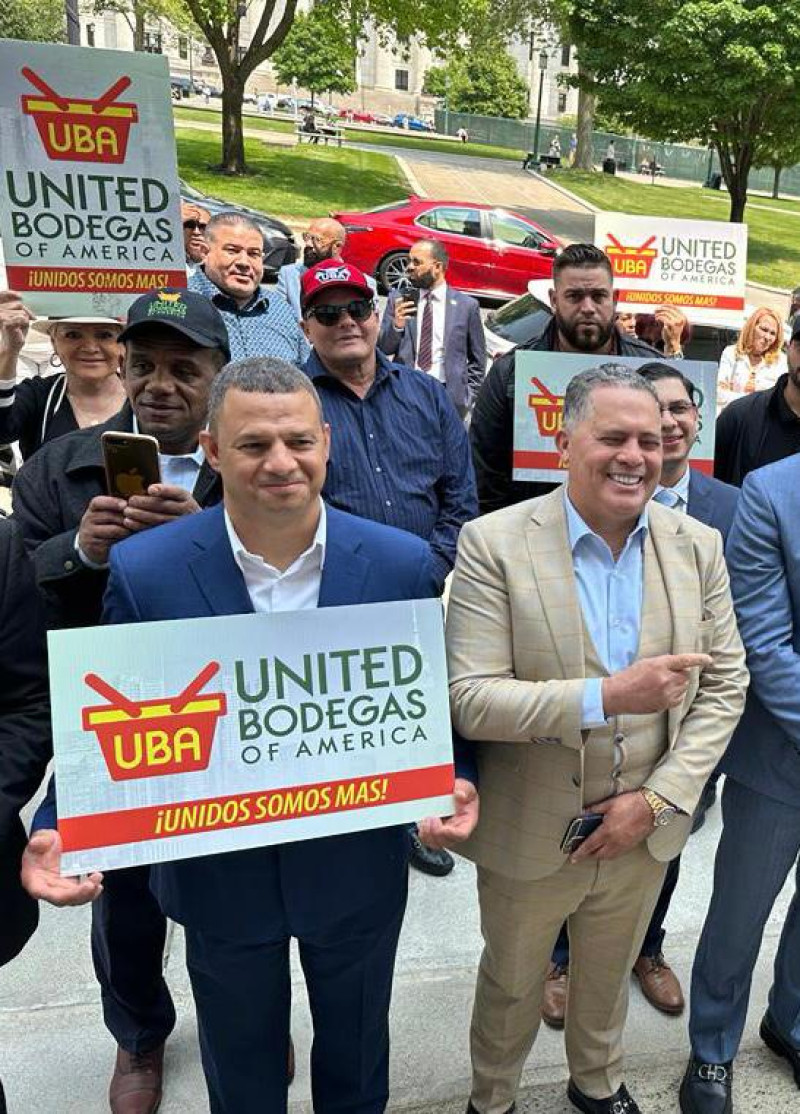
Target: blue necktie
column 667, row 497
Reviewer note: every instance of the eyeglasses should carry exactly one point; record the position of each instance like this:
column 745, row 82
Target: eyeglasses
column 195, row 225
column 359, row 310
column 314, row 241
column 678, row 409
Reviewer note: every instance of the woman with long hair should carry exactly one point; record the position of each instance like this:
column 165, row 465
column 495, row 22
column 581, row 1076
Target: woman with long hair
column 84, row 390
column 755, row 361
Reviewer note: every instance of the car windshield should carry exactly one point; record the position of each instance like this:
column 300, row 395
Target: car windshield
column 519, row 319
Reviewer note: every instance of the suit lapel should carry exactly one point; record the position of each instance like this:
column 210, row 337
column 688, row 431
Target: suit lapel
column 548, row 548
column 215, row 571
column 701, row 503
column 344, row 574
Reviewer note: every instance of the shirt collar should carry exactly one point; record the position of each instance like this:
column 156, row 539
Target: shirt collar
column 681, row 488
column 224, row 301
column 319, row 544
column 577, row 528
column 198, row 455
column 315, row 369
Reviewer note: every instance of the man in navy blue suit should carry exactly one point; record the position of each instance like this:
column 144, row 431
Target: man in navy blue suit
column 760, row 840
column 440, row 334
column 272, row 546
column 712, row 502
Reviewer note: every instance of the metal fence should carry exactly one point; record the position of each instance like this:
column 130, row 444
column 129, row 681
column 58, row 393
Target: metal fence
column 692, row 164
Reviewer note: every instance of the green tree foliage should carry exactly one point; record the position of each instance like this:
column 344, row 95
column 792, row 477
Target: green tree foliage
column 725, row 72
column 34, row 20
column 317, row 54
column 483, row 81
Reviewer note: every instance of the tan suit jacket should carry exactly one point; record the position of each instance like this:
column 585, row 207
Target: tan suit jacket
column 517, row 664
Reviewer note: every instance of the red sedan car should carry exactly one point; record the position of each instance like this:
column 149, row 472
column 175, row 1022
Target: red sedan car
column 493, row 252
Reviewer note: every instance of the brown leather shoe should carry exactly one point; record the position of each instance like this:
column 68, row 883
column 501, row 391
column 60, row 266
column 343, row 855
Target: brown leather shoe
column 136, row 1085
column 659, row 983
column 290, row 1068
column 554, row 999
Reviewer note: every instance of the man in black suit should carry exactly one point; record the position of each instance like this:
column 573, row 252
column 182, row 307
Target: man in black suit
column 712, row 502
column 175, row 343
column 440, row 332
column 25, row 743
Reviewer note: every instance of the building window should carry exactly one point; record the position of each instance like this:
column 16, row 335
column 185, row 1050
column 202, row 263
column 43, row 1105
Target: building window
column 90, row 34
column 562, row 102
column 152, row 42
column 401, row 80
column 183, row 47
column 565, row 53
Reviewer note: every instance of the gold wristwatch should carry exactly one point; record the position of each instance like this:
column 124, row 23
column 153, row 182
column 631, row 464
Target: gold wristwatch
column 662, row 810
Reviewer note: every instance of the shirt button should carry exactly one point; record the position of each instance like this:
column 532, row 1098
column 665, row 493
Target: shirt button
column 388, row 502
column 379, row 469
column 371, row 436
column 69, row 565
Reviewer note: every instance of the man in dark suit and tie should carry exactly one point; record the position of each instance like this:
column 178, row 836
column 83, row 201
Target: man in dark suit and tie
column 442, row 333
column 688, row 491
column 274, row 546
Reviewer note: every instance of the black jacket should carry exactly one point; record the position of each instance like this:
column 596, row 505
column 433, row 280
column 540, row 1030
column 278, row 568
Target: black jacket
column 742, row 431
column 25, row 741
column 40, row 411
column 50, row 494
column 492, row 429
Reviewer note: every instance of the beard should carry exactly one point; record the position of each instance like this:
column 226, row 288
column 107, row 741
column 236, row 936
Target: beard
column 586, row 337
column 312, row 255
column 422, row 282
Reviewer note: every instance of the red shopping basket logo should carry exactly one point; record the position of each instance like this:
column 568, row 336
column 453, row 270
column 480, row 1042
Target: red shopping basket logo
column 628, row 262
column 150, row 738
column 78, row 129
column 548, row 408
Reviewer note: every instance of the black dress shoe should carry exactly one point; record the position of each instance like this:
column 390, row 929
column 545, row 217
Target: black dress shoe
column 471, row 1109
column 706, row 1088
column 618, row 1103
column 779, row 1045
column 437, row 863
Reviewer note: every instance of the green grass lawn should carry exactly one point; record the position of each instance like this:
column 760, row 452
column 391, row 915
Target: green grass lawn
column 773, row 239
column 292, row 181
column 396, row 138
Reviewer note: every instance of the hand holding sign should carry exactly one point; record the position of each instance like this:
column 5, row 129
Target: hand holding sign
column 14, row 321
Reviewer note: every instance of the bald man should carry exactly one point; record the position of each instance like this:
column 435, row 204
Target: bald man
column 324, row 239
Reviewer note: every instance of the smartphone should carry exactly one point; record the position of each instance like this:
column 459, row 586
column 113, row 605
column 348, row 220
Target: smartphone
column 131, row 461
column 579, row 830
column 409, row 294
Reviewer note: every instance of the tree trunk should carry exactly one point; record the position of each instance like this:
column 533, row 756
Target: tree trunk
column 138, row 28
column 735, row 166
column 584, row 155
column 776, row 182
column 233, row 161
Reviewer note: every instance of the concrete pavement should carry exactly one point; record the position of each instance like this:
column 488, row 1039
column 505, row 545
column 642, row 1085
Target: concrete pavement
column 56, row 1057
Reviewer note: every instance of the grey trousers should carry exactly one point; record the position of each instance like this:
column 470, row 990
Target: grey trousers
column 759, row 846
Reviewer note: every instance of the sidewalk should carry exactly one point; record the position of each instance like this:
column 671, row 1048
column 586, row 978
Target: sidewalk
column 56, row 1055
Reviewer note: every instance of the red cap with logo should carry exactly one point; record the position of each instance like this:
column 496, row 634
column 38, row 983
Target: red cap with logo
column 332, row 275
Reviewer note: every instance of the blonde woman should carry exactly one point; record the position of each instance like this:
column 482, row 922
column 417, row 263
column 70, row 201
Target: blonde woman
column 85, row 390
column 755, row 362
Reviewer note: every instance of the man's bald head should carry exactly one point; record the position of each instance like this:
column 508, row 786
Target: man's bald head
column 323, row 240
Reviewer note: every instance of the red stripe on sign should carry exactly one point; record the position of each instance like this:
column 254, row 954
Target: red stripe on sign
column 530, row 458
column 134, row 825
column 706, row 466
column 90, row 280
column 675, row 298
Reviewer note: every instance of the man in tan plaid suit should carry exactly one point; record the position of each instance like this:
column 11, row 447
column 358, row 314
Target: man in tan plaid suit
column 594, row 654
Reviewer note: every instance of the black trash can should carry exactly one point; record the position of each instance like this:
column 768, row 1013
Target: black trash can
column 609, row 166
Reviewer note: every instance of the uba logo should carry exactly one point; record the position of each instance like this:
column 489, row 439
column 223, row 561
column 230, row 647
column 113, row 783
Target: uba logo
column 548, row 408
column 77, row 129
column 630, row 262
column 149, row 738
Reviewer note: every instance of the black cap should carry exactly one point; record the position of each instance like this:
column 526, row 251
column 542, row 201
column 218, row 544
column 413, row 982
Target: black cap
column 795, row 328
column 186, row 312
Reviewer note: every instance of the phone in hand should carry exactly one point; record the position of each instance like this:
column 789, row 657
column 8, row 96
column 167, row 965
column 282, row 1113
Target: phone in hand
column 131, row 461
column 409, row 294
column 579, row 829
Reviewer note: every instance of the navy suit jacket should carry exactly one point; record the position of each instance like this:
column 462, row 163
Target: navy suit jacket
column 763, row 555
column 233, row 895
column 712, row 502
column 464, row 345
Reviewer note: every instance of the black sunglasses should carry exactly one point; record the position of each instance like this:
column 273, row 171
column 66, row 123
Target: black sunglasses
column 195, row 225
column 359, row 310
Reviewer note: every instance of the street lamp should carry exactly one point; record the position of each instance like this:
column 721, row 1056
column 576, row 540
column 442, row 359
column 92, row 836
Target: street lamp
column 542, row 68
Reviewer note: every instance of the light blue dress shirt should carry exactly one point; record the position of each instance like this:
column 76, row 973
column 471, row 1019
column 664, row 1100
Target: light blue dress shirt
column 610, row 595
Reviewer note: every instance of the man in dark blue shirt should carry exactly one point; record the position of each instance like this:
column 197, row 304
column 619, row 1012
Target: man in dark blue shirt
column 399, row 452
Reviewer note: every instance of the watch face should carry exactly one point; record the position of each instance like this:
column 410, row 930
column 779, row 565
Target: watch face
column 665, row 816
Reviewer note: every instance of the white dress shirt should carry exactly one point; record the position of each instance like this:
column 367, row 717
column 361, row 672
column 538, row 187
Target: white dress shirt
column 294, row 589
column 438, row 297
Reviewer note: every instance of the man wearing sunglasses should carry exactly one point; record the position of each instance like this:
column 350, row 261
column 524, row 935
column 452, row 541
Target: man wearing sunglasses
column 195, row 221
column 324, row 239
column 712, row 502
column 399, row 452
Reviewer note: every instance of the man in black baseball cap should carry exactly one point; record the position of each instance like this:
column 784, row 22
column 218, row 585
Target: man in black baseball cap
column 175, row 343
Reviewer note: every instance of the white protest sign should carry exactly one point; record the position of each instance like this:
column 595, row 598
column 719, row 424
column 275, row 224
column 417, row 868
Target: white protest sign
column 226, row 733
column 89, row 199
